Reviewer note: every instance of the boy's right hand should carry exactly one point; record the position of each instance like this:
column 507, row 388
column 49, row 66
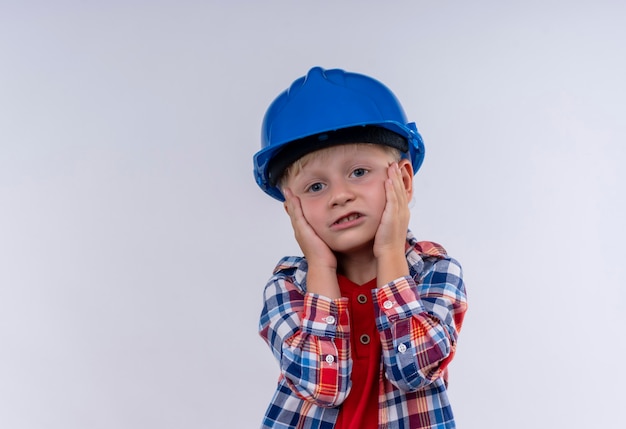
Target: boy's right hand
column 316, row 251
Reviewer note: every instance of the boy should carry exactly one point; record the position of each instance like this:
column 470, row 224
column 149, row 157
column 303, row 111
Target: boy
column 364, row 325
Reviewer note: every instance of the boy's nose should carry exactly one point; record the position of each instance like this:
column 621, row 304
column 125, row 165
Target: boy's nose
column 341, row 194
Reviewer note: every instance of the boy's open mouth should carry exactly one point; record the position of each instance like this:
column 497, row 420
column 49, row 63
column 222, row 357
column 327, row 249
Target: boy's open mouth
column 348, row 218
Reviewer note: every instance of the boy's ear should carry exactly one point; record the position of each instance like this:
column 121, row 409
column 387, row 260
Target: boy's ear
column 406, row 169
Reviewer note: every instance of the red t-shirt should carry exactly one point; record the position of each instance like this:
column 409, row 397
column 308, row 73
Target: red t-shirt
column 360, row 409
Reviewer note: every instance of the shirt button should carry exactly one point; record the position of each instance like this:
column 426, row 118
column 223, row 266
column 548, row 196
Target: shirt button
column 330, row 320
column 387, row 305
column 362, row 299
column 402, row 348
column 330, row 359
column 365, row 339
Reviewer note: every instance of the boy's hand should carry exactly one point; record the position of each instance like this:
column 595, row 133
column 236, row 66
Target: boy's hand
column 315, row 250
column 390, row 240
column 322, row 273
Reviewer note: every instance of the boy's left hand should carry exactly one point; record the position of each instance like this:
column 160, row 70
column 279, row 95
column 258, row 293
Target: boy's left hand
column 391, row 235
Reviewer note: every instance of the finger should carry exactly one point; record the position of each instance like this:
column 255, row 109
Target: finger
column 291, row 205
column 398, row 183
column 391, row 194
column 288, row 202
column 292, row 201
column 396, row 209
column 296, row 214
column 394, row 184
column 297, row 209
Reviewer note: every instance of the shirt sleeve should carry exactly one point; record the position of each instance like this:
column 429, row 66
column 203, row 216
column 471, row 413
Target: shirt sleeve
column 419, row 323
column 309, row 336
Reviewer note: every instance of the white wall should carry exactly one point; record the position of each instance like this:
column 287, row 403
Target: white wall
column 134, row 244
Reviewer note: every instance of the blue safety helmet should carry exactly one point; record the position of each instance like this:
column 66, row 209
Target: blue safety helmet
column 330, row 107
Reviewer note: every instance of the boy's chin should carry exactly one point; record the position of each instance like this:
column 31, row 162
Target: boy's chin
column 348, row 249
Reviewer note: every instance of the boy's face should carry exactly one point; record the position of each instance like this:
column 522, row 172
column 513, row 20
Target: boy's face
column 342, row 193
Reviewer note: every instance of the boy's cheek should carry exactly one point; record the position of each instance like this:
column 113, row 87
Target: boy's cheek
column 311, row 219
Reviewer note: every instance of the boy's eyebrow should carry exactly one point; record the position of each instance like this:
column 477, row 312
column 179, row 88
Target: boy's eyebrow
column 305, row 173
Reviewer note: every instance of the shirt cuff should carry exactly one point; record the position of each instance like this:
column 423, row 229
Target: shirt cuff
column 398, row 300
column 325, row 317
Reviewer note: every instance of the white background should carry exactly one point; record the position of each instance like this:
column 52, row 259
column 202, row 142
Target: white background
column 134, row 243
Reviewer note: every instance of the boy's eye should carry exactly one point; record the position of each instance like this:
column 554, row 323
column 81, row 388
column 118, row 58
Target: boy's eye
column 359, row 172
column 315, row 187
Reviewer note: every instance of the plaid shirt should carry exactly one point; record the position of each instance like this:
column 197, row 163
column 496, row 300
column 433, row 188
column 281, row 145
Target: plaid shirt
column 418, row 317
